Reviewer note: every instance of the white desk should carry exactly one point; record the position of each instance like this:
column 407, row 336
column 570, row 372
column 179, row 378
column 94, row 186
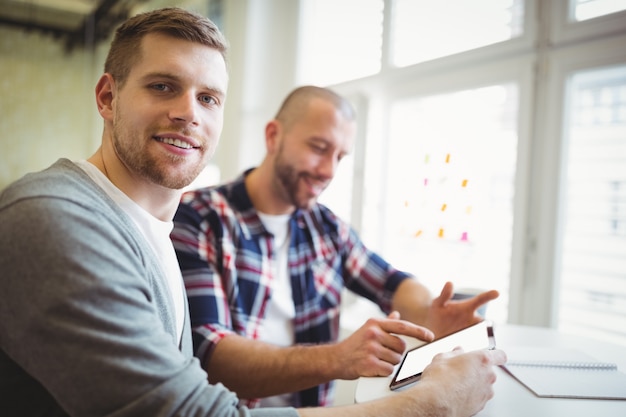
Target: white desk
column 511, row 398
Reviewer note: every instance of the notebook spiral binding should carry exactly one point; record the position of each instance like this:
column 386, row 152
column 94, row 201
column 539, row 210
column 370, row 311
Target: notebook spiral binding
column 572, row 365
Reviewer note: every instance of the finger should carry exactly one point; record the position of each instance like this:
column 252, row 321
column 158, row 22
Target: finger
column 497, row 356
column 406, row 328
column 391, row 356
column 490, row 356
column 380, row 368
column 392, row 343
column 446, row 294
column 483, row 298
column 448, row 354
column 394, row 315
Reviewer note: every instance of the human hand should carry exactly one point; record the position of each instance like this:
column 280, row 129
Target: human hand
column 446, row 315
column 375, row 348
column 461, row 382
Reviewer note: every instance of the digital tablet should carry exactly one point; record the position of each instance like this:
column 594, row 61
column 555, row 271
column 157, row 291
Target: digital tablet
column 476, row 337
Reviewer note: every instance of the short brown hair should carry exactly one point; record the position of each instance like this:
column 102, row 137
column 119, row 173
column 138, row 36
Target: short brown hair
column 125, row 48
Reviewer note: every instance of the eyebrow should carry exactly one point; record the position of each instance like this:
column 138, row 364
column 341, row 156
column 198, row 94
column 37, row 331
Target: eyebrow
column 329, row 144
column 173, row 77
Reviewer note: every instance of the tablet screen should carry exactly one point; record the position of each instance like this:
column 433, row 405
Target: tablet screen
column 475, row 337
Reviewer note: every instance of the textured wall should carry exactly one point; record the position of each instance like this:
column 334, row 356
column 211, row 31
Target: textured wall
column 47, row 105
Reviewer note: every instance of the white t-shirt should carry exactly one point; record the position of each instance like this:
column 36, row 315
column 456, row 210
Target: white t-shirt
column 156, row 232
column 277, row 327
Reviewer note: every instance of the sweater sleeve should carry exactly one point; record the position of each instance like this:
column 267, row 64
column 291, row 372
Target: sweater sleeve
column 80, row 318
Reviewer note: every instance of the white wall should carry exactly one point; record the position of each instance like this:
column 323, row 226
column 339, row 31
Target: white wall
column 262, row 72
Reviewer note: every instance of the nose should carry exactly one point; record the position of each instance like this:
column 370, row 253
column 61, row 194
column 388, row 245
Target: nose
column 328, row 166
column 184, row 108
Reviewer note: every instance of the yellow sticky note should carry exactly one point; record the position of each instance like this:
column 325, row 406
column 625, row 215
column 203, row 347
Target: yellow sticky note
column 443, row 207
column 464, row 183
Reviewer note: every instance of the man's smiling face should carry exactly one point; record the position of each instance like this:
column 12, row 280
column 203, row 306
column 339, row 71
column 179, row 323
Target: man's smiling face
column 168, row 115
column 309, row 152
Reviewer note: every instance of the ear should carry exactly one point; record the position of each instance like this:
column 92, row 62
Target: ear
column 272, row 131
column 105, row 91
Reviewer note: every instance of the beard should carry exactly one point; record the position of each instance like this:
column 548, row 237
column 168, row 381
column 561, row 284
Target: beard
column 136, row 156
column 289, row 183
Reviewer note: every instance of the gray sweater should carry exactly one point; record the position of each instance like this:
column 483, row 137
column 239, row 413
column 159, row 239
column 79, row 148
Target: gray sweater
column 87, row 323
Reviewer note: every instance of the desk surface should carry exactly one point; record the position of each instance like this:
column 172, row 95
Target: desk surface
column 511, row 398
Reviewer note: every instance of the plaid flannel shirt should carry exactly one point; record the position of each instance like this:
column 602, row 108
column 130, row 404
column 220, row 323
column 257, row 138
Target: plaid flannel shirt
column 225, row 254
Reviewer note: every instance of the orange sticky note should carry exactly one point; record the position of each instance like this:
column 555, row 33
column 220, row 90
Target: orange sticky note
column 447, row 158
column 440, row 232
column 418, row 233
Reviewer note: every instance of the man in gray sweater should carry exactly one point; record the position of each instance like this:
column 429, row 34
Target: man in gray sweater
column 94, row 314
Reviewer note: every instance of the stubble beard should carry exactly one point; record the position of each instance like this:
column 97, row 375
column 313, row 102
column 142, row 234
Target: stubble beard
column 289, row 179
column 137, row 159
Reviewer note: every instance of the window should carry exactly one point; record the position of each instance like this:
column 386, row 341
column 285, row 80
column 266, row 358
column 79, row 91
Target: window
column 449, row 200
column 423, row 29
column 338, row 44
column 589, row 9
column 593, row 269
column 335, row 194
column 495, row 148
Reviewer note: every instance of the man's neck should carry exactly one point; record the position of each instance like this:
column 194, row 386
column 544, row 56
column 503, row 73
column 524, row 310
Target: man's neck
column 159, row 201
column 262, row 193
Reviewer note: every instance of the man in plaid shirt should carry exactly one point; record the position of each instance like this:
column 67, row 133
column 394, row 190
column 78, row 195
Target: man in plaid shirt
column 265, row 264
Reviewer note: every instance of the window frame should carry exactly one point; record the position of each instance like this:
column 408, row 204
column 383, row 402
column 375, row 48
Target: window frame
column 540, row 61
column 547, row 228
column 564, row 30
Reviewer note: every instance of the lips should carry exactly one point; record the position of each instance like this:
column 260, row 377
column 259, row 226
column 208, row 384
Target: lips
column 178, row 140
column 175, row 142
column 315, row 187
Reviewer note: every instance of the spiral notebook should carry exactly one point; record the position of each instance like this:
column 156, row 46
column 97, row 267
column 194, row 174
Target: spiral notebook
column 565, row 373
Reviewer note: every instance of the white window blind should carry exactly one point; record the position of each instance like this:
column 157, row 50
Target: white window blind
column 424, row 29
column 593, row 270
column 589, row 9
column 340, row 40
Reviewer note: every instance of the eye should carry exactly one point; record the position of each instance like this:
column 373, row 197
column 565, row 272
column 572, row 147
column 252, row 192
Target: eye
column 159, row 87
column 208, row 100
column 318, row 148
